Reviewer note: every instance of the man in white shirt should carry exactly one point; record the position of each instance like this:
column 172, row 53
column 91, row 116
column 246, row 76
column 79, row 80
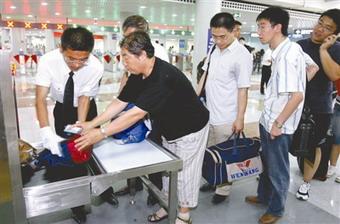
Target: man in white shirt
column 71, row 74
column 226, row 87
column 283, row 106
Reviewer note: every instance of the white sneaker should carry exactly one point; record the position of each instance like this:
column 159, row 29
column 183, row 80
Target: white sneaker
column 303, row 192
column 337, row 179
column 331, row 171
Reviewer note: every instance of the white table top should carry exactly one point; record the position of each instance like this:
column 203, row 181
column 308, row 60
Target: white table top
column 114, row 157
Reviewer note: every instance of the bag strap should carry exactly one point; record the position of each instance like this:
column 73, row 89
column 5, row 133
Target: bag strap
column 206, row 74
column 236, row 137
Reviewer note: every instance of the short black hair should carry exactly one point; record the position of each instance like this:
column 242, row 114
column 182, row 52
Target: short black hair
column 276, row 15
column 334, row 14
column 223, row 19
column 77, row 39
column 238, row 23
column 136, row 21
column 242, row 38
column 138, row 41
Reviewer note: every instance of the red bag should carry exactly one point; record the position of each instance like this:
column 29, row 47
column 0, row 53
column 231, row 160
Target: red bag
column 70, row 150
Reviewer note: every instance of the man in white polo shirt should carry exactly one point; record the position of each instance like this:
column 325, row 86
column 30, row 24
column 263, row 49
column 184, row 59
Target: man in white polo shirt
column 283, row 105
column 226, row 87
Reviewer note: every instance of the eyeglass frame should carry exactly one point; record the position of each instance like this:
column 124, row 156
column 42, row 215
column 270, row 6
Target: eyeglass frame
column 74, row 61
column 320, row 24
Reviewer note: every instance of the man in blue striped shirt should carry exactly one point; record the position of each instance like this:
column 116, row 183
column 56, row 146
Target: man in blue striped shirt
column 282, row 111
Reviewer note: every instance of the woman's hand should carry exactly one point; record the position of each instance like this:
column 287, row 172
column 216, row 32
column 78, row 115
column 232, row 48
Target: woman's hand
column 85, row 126
column 88, row 138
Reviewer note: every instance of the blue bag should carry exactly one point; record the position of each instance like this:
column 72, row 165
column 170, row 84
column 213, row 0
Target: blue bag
column 134, row 134
column 234, row 159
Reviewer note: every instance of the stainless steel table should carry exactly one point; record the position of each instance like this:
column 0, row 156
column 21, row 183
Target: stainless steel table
column 116, row 162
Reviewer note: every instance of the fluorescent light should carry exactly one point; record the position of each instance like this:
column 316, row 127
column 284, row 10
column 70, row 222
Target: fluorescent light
column 142, row 6
column 30, row 16
column 8, row 17
column 174, row 15
column 44, row 3
column 57, row 13
column 87, row 11
column 13, row 7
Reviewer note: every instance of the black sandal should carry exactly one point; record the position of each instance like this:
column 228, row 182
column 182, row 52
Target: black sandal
column 155, row 218
column 188, row 221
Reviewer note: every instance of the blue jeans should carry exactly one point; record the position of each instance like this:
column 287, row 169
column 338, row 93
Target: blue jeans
column 274, row 181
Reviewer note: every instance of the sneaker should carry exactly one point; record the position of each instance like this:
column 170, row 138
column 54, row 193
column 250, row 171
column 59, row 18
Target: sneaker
column 331, row 171
column 337, row 179
column 302, row 193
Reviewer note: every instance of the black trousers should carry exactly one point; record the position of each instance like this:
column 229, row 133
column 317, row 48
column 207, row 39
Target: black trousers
column 266, row 72
column 63, row 117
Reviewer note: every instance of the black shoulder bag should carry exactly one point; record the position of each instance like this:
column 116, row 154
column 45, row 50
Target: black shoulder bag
column 304, row 134
column 202, row 95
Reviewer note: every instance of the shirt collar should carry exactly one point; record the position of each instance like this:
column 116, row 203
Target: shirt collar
column 231, row 47
column 277, row 50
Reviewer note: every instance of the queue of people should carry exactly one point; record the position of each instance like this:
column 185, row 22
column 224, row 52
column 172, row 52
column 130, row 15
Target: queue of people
column 180, row 121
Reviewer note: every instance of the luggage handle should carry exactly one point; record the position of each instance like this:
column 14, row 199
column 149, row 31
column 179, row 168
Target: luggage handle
column 235, row 137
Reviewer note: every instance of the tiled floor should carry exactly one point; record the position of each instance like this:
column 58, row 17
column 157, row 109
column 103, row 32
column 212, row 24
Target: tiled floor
column 322, row 207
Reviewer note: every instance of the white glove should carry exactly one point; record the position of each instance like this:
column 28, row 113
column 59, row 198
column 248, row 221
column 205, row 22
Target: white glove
column 50, row 140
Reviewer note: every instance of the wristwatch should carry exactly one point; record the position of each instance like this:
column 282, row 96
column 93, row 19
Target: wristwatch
column 278, row 124
column 102, row 131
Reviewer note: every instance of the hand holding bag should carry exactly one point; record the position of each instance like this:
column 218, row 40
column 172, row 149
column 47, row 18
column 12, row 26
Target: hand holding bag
column 234, row 159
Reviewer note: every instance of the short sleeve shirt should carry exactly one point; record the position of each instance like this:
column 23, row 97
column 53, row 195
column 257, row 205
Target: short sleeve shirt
column 169, row 98
column 288, row 76
column 319, row 89
column 229, row 70
column 53, row 72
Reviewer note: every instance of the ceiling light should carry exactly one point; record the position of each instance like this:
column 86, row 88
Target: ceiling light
column 192, row 19
column 47, row 21
column 95, row 18
column 44, row 3
column 8, row 17
column 13, row 7
column 30, row 16
column 142, row 7
column 57, row 13
column 244, row 23
column 174, row 15
column 102, row 28
column 87, row 11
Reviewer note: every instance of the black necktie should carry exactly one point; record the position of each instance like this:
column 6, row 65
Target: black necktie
column 69, row 92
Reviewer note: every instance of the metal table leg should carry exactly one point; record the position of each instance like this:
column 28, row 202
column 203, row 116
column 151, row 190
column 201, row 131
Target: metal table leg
column 172, row 206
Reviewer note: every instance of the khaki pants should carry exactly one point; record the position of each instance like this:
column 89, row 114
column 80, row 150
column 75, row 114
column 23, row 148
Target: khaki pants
column 218, row 134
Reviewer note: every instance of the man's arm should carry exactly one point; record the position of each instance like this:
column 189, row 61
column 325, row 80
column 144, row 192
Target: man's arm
column 242, row 98
column 331, row 68
column 293, row 103
column 83, row 107
column 41, row 93
column 200, row 84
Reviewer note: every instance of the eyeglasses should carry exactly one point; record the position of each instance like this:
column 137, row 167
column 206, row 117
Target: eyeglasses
column 262, row 28
column 83, row 61
column 324, row 27
column 222, row 37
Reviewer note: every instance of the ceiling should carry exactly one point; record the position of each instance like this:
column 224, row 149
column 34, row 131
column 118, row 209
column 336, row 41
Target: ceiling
column 162, row 14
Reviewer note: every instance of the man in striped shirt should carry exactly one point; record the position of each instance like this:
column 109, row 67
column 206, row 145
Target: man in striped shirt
column 282, row 111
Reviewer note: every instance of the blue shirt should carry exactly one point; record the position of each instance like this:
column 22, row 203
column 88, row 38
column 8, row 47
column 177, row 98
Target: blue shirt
column 319, row 89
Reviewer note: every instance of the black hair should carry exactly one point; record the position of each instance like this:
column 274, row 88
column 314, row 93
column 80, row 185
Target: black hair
column 223, row 19
column 334, row 14
column 137, row 22
column 77, row 39
column 238, row 23
column 276, row 15
column 138, row 41
column 242, row 38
